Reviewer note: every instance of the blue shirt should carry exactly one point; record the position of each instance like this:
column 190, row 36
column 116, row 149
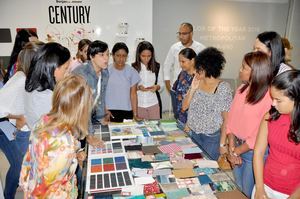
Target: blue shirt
column 118, row 87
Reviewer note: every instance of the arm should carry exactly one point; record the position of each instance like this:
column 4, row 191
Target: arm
column 295, row 195
column 189, row 96
column 223, row 149
column 168, row 64
column 133, row 99
column 20, row 120
column 258, row 162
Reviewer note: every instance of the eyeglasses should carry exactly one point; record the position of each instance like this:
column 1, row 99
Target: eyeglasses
column 183, row 33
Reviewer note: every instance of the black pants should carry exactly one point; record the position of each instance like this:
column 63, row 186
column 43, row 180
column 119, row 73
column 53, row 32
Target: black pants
column 120, row 115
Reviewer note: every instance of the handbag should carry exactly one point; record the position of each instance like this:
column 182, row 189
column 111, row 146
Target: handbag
column 224, row 163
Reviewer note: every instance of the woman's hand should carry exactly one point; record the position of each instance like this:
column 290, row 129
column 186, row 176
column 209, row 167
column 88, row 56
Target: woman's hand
column 223, row 150
column 142, row 88
column 234, row 160
column 136, row 118
column 81, row 156
column 260, row 194
column 153, row 88
column 195, row 82
column 186, row 129
column 20, row 122
column 94, row 141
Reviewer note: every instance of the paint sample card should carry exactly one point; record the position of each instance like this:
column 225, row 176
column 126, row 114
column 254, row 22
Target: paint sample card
column 109, row 147
column 108, row 173
column 102, row 132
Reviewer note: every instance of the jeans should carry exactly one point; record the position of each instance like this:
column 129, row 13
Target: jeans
column 180, row 125
column 14, row 157
column 243, row 174
column 22, row 140
column 14, row 151
column 174, row 104
column 209, row 143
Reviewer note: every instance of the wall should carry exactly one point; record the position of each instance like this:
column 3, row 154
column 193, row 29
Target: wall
column 101, row 22
column 293, row 31
column 231, row 25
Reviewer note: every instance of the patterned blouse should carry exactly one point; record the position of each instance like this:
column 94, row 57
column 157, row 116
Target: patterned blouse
column 48, row 169
column 181, row 87
column 205, row 112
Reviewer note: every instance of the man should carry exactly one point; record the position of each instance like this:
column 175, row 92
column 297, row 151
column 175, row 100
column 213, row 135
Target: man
column 171, row 64
column 95, row 72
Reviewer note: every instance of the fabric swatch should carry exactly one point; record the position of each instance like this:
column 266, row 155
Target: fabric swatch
column 151, row 188
column 231, row 194
column 207, row 164
column 162, row 172
column 137, row 163
column 168, row 187
column 162, row 165
column 170, row 148
column 150, row 150
column 204, row 179
column 183, row 164
column 184, row 173
column 177, row 193
column 162, row 157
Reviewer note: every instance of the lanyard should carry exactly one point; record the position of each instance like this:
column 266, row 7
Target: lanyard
column 98, row 91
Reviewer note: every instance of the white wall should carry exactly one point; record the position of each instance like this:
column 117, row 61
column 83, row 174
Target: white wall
column 105, row 17
column 293, row 32
column 230, row 25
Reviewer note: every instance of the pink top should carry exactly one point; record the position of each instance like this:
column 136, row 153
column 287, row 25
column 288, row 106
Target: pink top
column 244, row 118
column 282, row 167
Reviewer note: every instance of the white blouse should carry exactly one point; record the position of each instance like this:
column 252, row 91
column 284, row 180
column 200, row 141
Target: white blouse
column 148, row 98
column 12, row 96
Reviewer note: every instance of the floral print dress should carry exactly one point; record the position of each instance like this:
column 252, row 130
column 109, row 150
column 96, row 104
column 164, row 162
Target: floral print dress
column 48, row 169
column 181, row 87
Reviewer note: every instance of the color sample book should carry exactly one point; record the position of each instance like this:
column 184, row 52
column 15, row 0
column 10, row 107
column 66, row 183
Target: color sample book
column 108, row 173
column 109, row 147
column 102, row 132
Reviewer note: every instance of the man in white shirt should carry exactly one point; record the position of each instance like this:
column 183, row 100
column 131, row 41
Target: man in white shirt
column 171, row 66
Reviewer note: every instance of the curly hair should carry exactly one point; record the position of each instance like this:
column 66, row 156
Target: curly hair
column 211, row 61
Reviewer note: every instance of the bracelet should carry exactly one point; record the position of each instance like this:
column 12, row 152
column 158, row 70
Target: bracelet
column 222, row 145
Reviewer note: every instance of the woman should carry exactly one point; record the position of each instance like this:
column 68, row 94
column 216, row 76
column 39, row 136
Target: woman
column 279, row 177
column 23, row 37
column 14, row 140
column 48, row 170
column 208, row 101
column 47, row 67
column 183, row 83
column 271, row 44
column 149, row 102
column 121, row 92
column 81, row 55
column 250, row 103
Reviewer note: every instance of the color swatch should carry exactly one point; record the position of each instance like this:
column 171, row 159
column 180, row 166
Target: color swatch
column 108, row 173
column 110, row 147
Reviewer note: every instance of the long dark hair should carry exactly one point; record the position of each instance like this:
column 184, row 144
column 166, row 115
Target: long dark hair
column 153, row 65
column 260, row 77
column 274, row 43
column 289, row 83
column 21, row 39
column 41, row 72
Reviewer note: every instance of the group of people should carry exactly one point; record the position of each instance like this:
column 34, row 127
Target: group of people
column 258, row 130
column 50, row 102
